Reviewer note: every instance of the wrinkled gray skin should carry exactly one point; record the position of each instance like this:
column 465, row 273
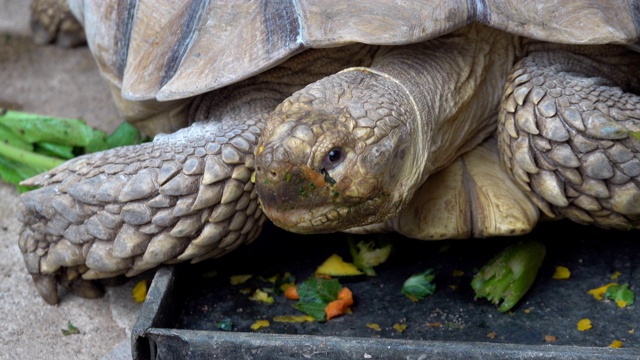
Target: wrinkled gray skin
column 567, row 128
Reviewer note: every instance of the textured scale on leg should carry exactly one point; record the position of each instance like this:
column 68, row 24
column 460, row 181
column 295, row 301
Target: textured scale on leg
column 567, row 130
column 138, row 207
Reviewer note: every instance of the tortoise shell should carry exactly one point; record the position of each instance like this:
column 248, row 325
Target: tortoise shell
column 169, row 50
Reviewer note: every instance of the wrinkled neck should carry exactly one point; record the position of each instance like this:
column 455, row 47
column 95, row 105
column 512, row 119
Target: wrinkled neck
column 415, row 138
column 455, row 84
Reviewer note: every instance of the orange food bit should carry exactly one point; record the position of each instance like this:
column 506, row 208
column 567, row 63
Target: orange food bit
column 346, row 295
column 292, row 293
column 341, row 305
column 315, row 177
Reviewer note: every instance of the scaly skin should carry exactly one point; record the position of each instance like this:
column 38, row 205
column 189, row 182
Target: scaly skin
column 186, row 196
column 566, row 131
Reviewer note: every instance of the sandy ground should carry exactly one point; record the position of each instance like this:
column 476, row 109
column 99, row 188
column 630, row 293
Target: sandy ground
column 65, row 83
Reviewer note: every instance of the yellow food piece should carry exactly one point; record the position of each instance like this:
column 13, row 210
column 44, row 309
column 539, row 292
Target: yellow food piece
column 412, row 298
column 139, row 291
column 457, row 273
column 598, row 293
column 261, row 296
column 616, row 344
column 615, row 275
column 584, row 324
column 293, row 318
column 335, row 266
column 400, row 327
column 621, row 303
column 374, row 326
column 275, row 277
column 562, row 273
column 259, row 324
column 285, row 286
column 239, row 279
column 527, row 311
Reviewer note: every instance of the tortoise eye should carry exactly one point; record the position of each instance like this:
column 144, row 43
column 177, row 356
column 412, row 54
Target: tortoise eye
column 333, row 158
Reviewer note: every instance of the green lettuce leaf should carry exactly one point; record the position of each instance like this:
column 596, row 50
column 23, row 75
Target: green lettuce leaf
column 315, row 294
column 420, row 285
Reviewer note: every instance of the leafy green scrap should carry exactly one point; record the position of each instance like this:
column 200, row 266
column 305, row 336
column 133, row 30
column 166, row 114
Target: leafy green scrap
column 620, row 294
column 419, row 286
column 31, row 144
column 315, row 294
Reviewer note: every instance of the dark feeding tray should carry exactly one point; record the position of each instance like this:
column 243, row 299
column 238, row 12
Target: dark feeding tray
column 186, row 303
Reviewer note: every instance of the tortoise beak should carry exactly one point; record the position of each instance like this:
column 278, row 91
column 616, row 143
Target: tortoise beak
column 292, row 196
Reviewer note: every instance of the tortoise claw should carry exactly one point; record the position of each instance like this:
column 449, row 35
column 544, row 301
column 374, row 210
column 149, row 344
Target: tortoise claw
column 47, row 287
column 86, row 288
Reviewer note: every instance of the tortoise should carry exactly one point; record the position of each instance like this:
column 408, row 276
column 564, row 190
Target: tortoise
column 52, row 21
column 434, row 119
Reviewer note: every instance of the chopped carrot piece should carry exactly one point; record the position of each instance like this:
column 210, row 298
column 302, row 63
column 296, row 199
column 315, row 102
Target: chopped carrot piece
column 292, row 293
column 335, row 308
column 341, row 305
column 346, row 295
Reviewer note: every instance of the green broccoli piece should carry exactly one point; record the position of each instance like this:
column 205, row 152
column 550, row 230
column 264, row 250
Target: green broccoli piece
column 509, row 275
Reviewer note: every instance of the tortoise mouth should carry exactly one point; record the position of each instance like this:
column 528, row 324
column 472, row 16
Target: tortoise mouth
column 301, row 199
column 324, row 219
column 324, row 210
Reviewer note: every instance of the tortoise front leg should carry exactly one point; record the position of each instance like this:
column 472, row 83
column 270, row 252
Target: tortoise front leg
column 569, row 132
column 185, row 196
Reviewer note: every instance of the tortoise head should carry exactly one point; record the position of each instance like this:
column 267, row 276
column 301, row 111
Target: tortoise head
column 332, row 156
